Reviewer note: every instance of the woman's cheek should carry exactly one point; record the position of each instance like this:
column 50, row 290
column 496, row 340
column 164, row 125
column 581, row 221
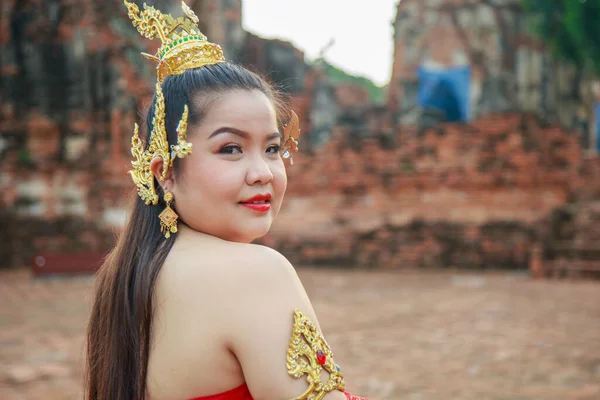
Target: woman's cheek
column 280, row 175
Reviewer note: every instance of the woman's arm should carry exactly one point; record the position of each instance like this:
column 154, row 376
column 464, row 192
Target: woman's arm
column 273, row 331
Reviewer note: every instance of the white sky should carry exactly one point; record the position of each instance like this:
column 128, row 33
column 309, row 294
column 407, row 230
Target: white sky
column 362, row 31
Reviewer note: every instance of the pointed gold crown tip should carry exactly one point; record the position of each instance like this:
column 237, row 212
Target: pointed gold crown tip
column 183, row 46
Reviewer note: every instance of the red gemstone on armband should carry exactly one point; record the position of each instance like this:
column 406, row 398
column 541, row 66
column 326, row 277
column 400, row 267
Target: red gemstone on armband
column 321, row 357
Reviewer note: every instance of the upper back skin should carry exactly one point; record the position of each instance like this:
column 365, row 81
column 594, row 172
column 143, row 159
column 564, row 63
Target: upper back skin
column 188, row 355
column 201, row 298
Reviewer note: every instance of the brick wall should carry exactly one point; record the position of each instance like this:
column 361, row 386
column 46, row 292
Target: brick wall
column 372, row 194
column 509, row 69
column 469, row 196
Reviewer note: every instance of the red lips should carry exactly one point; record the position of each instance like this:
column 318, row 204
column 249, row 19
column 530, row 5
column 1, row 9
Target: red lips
column 258, row 197
column 260, row 203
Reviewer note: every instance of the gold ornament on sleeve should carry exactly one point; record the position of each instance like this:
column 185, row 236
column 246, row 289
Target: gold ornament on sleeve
column 308, row 355
column 183, row 45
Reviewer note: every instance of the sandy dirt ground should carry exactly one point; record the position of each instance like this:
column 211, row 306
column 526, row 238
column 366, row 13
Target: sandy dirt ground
column 396, row 335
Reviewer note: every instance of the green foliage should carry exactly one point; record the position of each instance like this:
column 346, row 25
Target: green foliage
column 338, row 75
column 569, row 28
column 24, row 157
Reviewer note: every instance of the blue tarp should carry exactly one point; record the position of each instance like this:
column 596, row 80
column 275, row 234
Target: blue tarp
column 597, row 117
column 447, row 90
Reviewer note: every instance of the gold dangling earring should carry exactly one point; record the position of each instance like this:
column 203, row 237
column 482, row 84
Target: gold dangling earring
column 168, row 217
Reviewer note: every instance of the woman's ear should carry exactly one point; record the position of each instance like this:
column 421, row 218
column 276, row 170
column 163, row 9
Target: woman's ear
column 157, row 166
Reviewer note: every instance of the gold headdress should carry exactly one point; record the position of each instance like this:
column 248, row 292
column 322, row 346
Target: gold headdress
column 183, row 47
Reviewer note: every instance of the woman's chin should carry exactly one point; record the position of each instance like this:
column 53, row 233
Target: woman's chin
column 253, row 231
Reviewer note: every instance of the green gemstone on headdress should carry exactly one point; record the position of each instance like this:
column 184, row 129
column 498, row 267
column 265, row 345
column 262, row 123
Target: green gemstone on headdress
column 185, row 39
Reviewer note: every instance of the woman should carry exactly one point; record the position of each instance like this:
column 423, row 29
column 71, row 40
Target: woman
column 185, row 305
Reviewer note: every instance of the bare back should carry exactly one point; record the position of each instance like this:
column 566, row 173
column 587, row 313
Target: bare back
column 188, row 356
column 223, row 316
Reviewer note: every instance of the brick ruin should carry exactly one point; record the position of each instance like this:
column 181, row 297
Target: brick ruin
column 469, row 196
column 375, row 186
column 508, row 68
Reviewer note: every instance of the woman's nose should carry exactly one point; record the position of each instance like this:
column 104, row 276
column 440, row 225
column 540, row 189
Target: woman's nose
column 259, row 172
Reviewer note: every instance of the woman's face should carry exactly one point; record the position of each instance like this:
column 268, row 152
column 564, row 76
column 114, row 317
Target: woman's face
column 233, row 183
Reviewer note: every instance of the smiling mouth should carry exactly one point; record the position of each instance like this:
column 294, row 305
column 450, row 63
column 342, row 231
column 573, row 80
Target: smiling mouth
column 261, row 206
column 258, row 206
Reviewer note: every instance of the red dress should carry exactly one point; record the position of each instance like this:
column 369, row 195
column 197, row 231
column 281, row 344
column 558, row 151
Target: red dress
column 242, row 393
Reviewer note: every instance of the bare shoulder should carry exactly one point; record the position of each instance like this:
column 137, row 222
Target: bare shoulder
column 261, row 266
column 263, row 276
column 226, row 272
column 240, row 263
column 260, row 280
column 252, row 296
column 260, row 325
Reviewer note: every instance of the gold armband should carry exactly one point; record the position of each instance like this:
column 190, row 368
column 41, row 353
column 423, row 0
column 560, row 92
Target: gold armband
column 309, row 354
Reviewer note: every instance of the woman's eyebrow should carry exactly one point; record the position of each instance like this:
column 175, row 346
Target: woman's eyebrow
column 275, row 135
column 241, row 133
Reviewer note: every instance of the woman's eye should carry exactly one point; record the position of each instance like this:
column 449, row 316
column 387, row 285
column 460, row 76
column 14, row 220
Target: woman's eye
column 231, row 149
column 274, row 149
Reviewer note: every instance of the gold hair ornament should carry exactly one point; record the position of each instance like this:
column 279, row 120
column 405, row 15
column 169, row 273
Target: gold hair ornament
column 291, row 133
column 183, row 45
column 159, row 147
column 309, row 354
column 182, row 148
